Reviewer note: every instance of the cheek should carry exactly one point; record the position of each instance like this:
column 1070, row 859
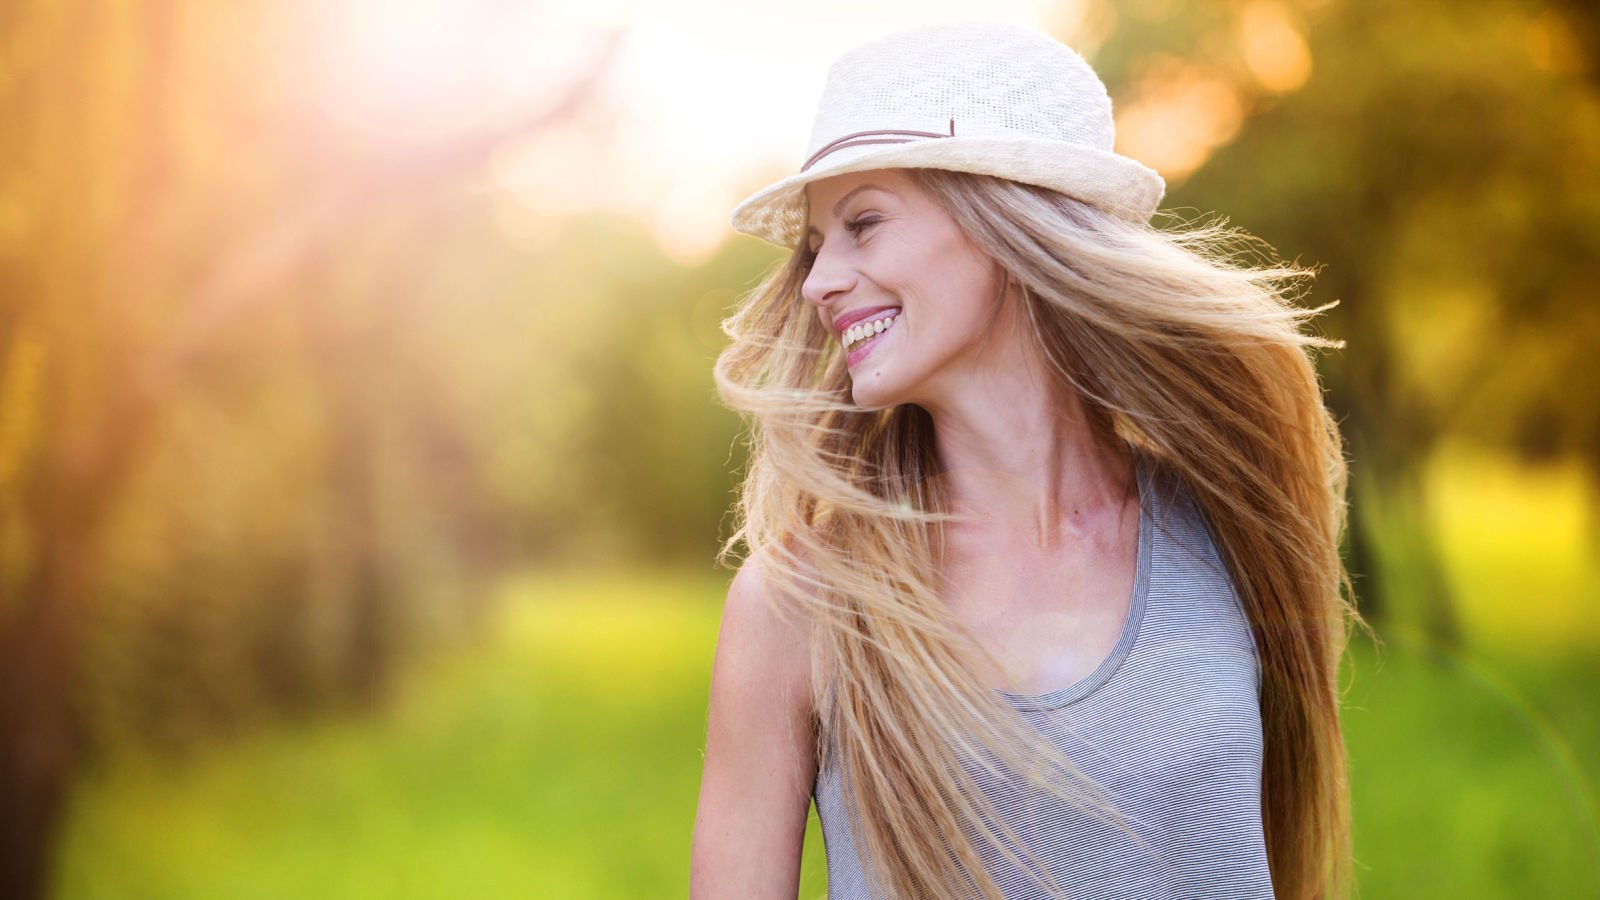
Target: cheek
column 948, row 286
column 933, row 253
column 963, row 284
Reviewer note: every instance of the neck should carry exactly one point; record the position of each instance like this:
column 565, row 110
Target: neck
column 1021, row 463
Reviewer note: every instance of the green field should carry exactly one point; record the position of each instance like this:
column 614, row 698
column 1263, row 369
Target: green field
column 562, row 759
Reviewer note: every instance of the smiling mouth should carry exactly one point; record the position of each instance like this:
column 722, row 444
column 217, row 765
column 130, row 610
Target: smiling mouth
column 862, row 331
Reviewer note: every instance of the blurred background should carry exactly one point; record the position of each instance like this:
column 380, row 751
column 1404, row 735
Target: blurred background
column 361, row 471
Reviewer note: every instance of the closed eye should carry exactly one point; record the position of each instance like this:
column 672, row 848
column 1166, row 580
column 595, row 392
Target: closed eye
column 857, row 224
column 808, row 257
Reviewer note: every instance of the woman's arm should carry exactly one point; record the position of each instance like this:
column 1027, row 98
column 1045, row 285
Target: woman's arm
column 755, row 789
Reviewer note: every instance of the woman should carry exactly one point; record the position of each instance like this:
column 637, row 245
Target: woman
column 1043, row 594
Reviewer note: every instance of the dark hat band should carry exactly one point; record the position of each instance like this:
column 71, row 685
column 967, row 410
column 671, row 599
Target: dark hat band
column 861, row 137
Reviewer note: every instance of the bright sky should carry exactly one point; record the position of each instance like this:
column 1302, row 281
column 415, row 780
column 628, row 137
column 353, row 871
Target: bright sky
column 709, row 100
column 713, row 99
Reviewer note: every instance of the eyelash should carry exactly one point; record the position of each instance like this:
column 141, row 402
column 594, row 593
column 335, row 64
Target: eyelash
column 809, row 256
column 858, row 224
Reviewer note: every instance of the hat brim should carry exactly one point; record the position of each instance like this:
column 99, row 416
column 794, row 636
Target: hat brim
column 1122, row 186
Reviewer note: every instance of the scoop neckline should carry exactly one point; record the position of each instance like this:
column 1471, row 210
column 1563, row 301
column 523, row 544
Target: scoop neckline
column 1088, row 684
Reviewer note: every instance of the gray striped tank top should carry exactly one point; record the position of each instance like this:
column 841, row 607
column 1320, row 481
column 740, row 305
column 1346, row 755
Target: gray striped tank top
column 1168, row 724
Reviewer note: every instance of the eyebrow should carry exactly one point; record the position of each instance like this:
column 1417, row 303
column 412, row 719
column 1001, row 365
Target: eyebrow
column 838, row 208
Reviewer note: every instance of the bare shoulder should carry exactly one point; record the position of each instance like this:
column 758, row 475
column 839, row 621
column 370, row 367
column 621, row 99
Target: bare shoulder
column 764, row 639
column 755, row 789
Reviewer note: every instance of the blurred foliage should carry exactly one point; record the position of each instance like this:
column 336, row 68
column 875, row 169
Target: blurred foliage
column 1438, row 163
column 542, row 405
column 282, row 393
column 578, row 398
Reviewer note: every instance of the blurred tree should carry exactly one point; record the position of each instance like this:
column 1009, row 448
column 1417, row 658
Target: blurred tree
column 149, row 214
column 1438, row 162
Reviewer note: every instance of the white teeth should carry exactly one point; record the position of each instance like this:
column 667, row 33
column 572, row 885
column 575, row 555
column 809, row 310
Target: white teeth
column 855, row 333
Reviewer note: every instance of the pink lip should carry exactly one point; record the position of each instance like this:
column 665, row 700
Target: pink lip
column 850, row 318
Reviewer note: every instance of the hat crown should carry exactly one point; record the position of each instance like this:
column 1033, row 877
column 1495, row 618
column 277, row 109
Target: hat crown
column 988, row 79
column 1008, row 102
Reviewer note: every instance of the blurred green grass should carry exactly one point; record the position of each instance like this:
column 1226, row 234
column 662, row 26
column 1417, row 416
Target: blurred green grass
column 562, row 757
column 559, row 759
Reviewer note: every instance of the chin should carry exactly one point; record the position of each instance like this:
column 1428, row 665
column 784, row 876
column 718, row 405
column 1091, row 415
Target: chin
column 872, row 393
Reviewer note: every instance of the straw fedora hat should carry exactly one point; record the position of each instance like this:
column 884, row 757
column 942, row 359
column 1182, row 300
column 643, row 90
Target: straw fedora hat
column 980, row 97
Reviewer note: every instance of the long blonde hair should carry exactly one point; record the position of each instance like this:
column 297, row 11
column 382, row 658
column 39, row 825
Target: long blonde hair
column 1179, row 344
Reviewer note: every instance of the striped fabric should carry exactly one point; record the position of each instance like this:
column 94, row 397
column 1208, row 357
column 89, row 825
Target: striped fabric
column 1168, row 724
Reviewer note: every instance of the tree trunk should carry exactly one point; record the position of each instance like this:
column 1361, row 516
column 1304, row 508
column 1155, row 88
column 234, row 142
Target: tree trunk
column 39, row 737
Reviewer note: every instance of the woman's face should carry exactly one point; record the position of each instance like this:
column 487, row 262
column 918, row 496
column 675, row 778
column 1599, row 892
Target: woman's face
column 884, row 248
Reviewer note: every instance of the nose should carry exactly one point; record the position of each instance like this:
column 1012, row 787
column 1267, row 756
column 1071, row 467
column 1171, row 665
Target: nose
column 828, row 278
